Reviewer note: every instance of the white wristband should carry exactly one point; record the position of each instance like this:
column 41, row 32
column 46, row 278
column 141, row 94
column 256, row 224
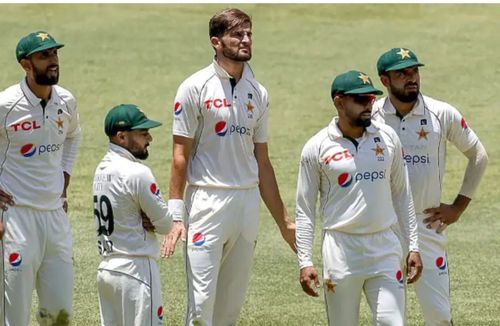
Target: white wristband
column 177, row 209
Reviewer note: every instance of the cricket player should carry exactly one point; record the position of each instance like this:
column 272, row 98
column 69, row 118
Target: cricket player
column 220, row 150
column 129, row 209
column 358, row 171
column 425, row 125
column 39, row 140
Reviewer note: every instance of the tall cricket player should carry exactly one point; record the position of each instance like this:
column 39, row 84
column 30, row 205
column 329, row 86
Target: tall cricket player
column 220, row 150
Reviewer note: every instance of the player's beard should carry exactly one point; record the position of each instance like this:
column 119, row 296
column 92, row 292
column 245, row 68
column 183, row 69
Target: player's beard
column 360, row 122
column 140, row 155
column 235, row 55
column 404, row 95
column 47, row 77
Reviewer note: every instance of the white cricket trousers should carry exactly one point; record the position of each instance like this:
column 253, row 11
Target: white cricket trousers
column 369, row 263
column 129, row 292
column 433, row 287
column 37, row 252
column 221, row 236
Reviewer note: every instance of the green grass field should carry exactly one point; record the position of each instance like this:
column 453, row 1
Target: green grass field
column 140, row 54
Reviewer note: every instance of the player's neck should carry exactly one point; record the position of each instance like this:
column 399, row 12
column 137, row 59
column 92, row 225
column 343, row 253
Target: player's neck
column 233, row 68
column 403, row 108
column 41, row 91
column 349, row 130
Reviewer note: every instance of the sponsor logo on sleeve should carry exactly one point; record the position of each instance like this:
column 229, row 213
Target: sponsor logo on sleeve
column 177, row 108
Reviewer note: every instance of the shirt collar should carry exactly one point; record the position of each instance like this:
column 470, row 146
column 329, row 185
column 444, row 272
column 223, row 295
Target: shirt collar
column 247, row 71
column 35, row 100
column 117, row 149
column 334, row 132
column 418, row 108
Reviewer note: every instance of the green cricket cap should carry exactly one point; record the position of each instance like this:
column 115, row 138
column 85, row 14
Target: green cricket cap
column 396, row 59
column 35, row 42
column 125, row 117
column 353, row 82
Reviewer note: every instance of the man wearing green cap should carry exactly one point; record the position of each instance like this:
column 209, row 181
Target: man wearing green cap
column 357, row 169
column 425, row 125
column 129, row 209
column 39, row 140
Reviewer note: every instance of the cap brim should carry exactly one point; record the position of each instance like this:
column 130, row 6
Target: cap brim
column 405, row 64
column 148, row 124
column 365, row 90
column 46, row 47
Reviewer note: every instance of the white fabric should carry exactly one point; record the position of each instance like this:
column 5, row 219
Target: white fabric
column 123, row 187
column 361, row 190
column 37, row 253
column 221, row 237
column 129, row 292
column 368, row 263
column 424, row 133
column 224, row 123
column 37, row 144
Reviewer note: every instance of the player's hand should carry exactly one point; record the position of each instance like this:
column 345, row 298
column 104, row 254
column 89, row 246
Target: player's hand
column 170, row 240
column 413, row 267
column 442, row 216
column 288, row 233
column 5, row 200
column 309, row 281
column 2, row 230
column 146, row 223
column 65, row 204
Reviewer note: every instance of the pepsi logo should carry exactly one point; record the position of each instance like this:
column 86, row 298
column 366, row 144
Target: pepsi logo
column 154, row 189
column 464, row 123
column 344, row 179
column 221, row 128
column 198, row 239
column 159, row 312
column 15, row 259
column 28, row 150
column 399, row 277
column 177, row 108
column 441, row 263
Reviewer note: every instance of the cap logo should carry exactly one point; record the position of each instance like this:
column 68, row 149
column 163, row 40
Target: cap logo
column 43, row 36
column 404, row 53
column 121, row 123
column 364, row 78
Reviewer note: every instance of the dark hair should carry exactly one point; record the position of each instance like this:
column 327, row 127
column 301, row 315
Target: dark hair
column 225, row 20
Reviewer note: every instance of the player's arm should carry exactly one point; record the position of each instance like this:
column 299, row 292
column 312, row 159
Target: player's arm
column 70, row 148
column 469, row 144
column 308, row 184
column 181, row 148
column 270, row 194
column 153, row 207
column 403, row 205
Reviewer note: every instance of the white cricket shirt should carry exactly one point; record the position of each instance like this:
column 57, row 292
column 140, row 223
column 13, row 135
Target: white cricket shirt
column 225, row 121
column 362, row 189
column 37, row 144
column 424, row 133
column 123, row 187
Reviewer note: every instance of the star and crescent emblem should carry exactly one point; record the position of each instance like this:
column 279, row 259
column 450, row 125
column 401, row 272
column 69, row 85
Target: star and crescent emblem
column 422, row 133
column 43, row 36
column 364, row 78
column 404, row 53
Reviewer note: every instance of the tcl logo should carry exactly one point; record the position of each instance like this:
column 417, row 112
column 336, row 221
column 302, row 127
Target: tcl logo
column 29, row 150
column 25, row 126
column 337, row 157
column 217, row 103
